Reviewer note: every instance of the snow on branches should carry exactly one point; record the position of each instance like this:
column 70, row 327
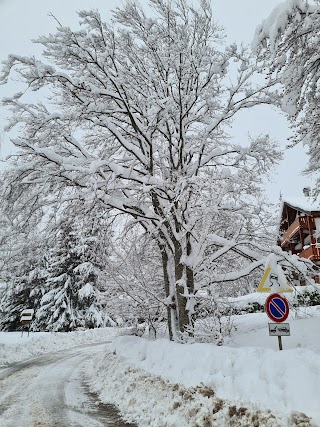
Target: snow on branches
column 287, row 43
column 137, row 120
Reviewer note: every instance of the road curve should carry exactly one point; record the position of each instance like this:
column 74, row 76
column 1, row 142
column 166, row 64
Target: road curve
column 50, row 390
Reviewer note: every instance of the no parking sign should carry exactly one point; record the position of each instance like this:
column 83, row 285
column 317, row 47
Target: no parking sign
column 277, row 308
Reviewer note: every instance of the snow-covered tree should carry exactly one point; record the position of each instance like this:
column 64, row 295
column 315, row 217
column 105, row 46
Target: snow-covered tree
column 137, row 120
column 25, row 278
column 134, row 281
column 72, row 295
column 288, row 44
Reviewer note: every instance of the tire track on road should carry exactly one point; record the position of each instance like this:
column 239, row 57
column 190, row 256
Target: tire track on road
column 50, row 391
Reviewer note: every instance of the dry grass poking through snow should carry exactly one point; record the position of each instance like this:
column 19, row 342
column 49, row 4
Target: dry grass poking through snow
column 135, row 392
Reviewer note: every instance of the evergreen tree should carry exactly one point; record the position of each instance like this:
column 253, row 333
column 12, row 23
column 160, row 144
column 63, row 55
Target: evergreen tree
column 25, row 287
column 72, row 298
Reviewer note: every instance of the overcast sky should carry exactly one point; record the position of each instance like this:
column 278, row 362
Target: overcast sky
column 21, row 21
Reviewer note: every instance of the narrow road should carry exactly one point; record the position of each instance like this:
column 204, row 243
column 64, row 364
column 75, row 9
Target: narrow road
column 50, row 391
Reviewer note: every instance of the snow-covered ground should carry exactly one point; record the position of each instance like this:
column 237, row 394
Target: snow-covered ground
column 15, row 348
column 257, row 383
column 246, row 382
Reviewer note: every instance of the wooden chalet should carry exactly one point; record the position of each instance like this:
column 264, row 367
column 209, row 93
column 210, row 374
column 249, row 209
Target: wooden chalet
column 300, row 228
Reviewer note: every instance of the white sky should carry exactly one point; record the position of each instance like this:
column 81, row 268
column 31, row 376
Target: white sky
column 21, row 21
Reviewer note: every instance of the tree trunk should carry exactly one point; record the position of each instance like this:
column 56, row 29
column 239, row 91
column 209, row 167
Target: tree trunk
column 164, row 256
column 178, row 285
column 183, row 319
column 190, row 280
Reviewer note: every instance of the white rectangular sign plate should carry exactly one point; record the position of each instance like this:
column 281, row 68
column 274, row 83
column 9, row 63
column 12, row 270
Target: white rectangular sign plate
column 279, row 329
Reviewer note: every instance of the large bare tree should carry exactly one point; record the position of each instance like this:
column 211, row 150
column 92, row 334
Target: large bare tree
column 135, row 117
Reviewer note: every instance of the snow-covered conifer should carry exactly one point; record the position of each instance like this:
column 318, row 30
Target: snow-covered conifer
column 72, row 296
column 25, row 284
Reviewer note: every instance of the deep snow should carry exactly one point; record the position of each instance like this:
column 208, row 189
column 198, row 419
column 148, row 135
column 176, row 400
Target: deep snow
column 246, row 382
column 276, row 388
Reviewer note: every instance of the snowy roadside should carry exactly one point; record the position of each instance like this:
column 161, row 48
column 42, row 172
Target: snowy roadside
column 247, row 382
column 164, row 384
column 14, row 348
column 151, row 401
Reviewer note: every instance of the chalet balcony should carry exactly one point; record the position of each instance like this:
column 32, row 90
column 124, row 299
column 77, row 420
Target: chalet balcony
column 299, row 223
column 312, row 253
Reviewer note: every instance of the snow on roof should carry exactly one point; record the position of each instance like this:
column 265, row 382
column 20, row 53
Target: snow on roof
column 305, row 204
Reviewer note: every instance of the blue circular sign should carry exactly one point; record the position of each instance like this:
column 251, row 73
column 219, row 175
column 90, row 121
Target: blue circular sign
column 277, row 308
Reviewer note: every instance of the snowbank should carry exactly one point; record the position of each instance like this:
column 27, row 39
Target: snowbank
column 284, row 381
column 151, row 401
column 14, row 348
column 246, row 382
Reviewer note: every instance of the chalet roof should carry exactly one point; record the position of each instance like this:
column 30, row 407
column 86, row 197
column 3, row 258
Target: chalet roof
column 306, row 205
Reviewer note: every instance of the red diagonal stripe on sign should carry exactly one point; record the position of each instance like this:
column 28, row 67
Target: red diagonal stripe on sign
column 277, row 307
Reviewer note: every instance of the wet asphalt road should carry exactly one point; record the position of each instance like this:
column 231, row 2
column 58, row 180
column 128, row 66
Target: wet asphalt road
column 51, row 390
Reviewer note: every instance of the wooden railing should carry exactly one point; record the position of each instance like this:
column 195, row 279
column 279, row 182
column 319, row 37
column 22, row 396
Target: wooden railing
column 312, row 253
column 298, row 223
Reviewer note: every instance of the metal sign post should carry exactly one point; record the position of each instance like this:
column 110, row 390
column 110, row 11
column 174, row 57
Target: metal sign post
column 26, row 319
column 279, row 330
column 277, row 308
